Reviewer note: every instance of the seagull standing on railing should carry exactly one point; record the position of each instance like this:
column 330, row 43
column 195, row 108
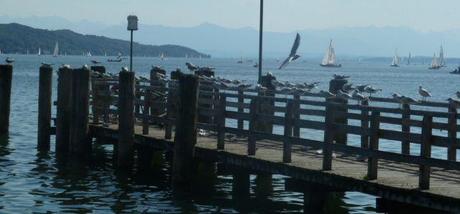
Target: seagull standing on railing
column 371, row 90
column 358, row 97
column 293, row 55
column 343, row 95
column 326, row 94
column 454, row 101
column 348, row 87
column 424, row 93
column 361, row 88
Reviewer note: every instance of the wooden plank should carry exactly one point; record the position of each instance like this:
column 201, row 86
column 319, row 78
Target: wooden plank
column 372, row 163
column 288, row 131
column 425, row 151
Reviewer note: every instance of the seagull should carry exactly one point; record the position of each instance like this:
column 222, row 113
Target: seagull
column 340, row 77
column 361, row 88
column 371, row 90
column 454, row 101
column 46, row 64
column 95, row 62
column 65, row 66
column 326, row 94
column 9, row 60
column 348, row 87
column 124, row 69
column 359, row 97
column 343, row 95
column 293, row 55
column 407, row 100
column 191, row 66
column 424, row 93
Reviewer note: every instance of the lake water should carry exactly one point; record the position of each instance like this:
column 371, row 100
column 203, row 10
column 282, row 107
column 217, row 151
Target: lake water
column 31, row 182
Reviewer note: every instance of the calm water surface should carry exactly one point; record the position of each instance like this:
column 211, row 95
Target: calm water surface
column 36, row 183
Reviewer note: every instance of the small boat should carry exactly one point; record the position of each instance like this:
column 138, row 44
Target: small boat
column 115, row 60
column 56, row 50
column 9, row 60
column 456, row 71
column 396, row 60
column 330, row 59
column 435, row 63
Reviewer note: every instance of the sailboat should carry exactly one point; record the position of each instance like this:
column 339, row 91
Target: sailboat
column 329, row 59
column 240, row 61
column 39, row 51
column 442, row 61
column 435, row 63
column 396, row 60
column 409, row 58
column 56, row 50
column 89, row 54
column 162, row 56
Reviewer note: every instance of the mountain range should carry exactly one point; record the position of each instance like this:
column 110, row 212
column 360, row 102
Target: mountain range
column 220, row 41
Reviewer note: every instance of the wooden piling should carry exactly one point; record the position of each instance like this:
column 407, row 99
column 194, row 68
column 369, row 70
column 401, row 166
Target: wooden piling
column 263, row 185
column 296, row 114
column 288, row 130
column 6, row 76
column 405, row 128
column 365, row 124
column 252, row 127
column 372, row 163
column 146, row 112
column 335, row 85
column 241, row 183
column 220, row 119
column 80, row 144
column 329, row 133
column 452, row 129
column 240, row 108
column 171, row 107
column 64, row 111
column 126, row 119
column 44, row 107
column 425, row 151
column 186, row 129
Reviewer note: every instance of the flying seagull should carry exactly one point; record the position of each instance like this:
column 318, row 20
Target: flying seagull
column 293, row 55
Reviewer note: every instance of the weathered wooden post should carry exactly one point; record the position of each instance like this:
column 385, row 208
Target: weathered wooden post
column 158, row 85
column 80, row 144
column 220, row 119
column 252, row 126
column 336, row 85
column 171, row 103
column 264, row 185
column 365, row 123
column 97, row 88
column 329, row 133
column 64, row 111
column 241, row 183
column 6, row 76
column 425, row 151
column 452, row 124
column 240, row 108
column 266, row 104
column 126, row 119
column 44, row 107
column 296, row 114
column 372, row 163
column 288, row 130
column 146, row 111
column 186, row 130
column 208, row 99
column 405, row 128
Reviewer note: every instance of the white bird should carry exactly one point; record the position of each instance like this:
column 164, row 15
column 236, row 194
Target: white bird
column 340, row 77
column 361, row 88
column 293, row 55
column 343, row 95
column 454, row 101
column 408, row 100
column 458, row 94
column 326, row 94
column 424, row 93
column 191, row 66
column 65, row 66
column 371, row 90
column 261, row 88
column 359, row 97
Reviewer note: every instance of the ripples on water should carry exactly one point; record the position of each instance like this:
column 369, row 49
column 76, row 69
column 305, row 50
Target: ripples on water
column 31, row 182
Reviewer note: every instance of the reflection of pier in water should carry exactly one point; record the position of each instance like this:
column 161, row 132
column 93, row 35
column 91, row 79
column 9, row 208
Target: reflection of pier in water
column 268, row 133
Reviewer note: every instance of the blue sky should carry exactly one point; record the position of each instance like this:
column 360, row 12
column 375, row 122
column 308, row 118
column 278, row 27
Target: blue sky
column 281, row 15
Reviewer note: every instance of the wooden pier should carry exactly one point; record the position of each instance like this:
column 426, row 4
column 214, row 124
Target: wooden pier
column 405, row 154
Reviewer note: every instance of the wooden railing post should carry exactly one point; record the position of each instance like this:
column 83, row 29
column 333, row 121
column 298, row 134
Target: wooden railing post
column 220, row 119
column 80, row 143
column 452, row 124
column 340, row 116
column 170, row 109
column 425, row 151
column 252, row 126
column 64, row 111
column 44, row 107
column 126, row 119
column 186, row 129
column 6, row 76
column 296, row 114
column 365, row 124
column 240, row 108
column 288, row 130
column 372, row 163
column 329, row 133
column 405, row 128
column 146, row 112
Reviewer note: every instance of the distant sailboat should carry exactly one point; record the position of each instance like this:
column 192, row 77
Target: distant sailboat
column 396, row 60
column 56, row 50
column 409, row 59
column 162, row 56
column 435, row 63
column 329, row 59
column 39, row 51
column 442, row 61
column 89, row 54
column 240, row 61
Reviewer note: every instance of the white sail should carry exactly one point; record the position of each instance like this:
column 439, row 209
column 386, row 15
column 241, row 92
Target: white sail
column 89, row 53
column 409, row 58
column 435, row 62
column 396, row 59
column 330, row 58
column 56, row 50
column 442, row 61
column 39, row 51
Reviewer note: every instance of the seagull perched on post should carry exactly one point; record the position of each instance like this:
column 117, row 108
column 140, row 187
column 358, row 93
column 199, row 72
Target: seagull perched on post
column 424, row 93
column 191, row 66
column 293, row 55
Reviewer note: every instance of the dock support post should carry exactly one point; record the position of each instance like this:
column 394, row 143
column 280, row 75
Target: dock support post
column 186, row 128
column 335, row 85
column 288, row 124
column 264, row 185
column 64, row 111
column 405, row 128
column 6, row 76
column 221, row 122
column 241, row 184
column 44, row 107
column 296, row 114
column 452, row 124
column 365, row 124
column 126, row 119
column 329, row 134
column 252, row 127
column 425, row 151
column 80, row 144
column 372, row 163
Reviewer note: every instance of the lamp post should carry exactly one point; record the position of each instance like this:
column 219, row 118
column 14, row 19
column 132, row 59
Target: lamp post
column 132, row 26
column 260, row 39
